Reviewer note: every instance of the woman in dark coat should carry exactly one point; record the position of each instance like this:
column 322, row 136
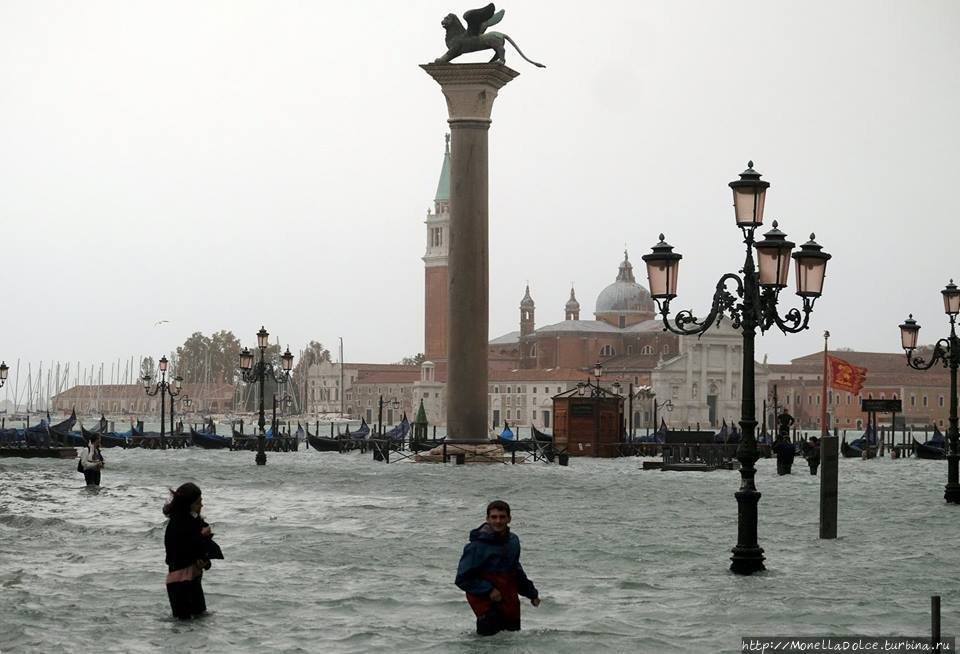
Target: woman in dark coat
column 190, row 547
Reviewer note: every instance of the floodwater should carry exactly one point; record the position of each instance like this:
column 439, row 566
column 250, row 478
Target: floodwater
column 337, row 553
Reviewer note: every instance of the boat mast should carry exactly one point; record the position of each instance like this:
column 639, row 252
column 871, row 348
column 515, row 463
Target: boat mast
column 340, row 391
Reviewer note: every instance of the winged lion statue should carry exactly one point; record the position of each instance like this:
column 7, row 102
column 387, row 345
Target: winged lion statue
column 475, row 37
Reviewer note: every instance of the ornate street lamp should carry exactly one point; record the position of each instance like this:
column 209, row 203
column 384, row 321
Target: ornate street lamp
column 751, row 305
column 4, row 369
column 394, row 404
column 164, row 388
column 252, row 372
column 946, row 351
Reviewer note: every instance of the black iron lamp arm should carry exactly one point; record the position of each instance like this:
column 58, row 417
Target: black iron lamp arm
column 944, row 352
column 266, row 370
column 792, row 322
column 164, row 386
column 724, row 303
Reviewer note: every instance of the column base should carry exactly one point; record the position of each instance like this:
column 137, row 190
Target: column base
column 951, row 493
column 261, row 458
column 746, row 560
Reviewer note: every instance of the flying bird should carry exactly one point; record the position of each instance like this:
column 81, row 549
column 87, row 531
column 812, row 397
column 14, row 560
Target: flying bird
column 160, row 322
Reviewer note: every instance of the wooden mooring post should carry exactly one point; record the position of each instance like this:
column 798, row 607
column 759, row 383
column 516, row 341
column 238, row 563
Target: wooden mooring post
column 935, row 622
column 829, row 474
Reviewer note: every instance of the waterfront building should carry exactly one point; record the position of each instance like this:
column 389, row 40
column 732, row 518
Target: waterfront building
column 925, row 396
column 129, row 399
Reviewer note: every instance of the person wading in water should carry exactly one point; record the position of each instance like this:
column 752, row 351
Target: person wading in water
column 491, row 575
column 190, row 546
column 91, row 461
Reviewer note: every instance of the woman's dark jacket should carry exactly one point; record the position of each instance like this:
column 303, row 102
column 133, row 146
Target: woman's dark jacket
column 185, row 544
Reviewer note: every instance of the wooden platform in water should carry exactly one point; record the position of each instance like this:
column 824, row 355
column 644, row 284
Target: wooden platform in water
column 40, row 452
column 471, row 452
column 696, row 467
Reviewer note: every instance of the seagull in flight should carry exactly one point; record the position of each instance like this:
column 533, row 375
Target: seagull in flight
column 160, row 322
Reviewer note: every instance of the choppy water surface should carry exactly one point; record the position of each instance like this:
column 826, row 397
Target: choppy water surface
column 336, row 553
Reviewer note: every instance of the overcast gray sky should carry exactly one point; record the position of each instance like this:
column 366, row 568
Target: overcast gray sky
column 223, row 165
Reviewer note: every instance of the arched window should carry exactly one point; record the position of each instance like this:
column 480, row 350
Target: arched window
column 533, row 350
column 607, row 351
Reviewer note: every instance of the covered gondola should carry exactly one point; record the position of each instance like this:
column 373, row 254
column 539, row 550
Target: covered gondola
column 400, row 431
column 928, row 450
column 60, row 432
column 107, row 439
column 510, row 443
column 935, row 448
column 855, row 448
column 658, row 436
column 363, row 431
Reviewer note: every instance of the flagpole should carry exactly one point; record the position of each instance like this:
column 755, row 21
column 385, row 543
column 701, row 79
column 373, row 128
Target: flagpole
column 823, row 392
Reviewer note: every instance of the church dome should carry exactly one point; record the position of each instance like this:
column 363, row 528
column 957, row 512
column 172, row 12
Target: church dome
column 625, row 295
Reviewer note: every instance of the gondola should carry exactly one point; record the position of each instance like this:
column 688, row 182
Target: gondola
column 425, row 445
column 107, row 439
column 855, row 448
column 327, row 443
column 935, row 448
column 658, row 436
column 363, row 431
column 208, row 440
column 399, row 431
column 59, row 432
column 540, row 436
column 510, row 443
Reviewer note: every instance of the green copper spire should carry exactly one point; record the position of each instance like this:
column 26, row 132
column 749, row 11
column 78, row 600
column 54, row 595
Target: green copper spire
column 443, row 187
column 421, row 418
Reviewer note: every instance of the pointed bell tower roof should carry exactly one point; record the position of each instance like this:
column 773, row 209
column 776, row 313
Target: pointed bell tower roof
column 527, row 301
column 443, row 186
column 572, row 304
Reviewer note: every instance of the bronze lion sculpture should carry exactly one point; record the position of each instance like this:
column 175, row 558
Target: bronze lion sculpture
column 474, row 37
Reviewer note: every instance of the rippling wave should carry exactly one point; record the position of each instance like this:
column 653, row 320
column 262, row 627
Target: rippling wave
column 337, row 553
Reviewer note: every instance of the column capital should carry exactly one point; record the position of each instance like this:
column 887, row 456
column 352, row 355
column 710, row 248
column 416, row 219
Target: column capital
column 470, row 89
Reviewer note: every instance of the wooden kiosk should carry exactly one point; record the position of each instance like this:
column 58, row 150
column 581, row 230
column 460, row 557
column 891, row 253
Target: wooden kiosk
column 588, row 421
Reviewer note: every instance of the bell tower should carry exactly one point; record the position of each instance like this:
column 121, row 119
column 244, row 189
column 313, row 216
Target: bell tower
column 527, row 308
column 572, row 307
column 436, row 287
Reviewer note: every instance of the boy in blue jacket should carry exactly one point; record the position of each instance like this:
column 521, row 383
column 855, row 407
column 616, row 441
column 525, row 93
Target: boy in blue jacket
column 491, row 575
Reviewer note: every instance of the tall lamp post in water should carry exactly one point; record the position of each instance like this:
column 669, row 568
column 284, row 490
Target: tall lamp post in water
column 163, row 388
column 947, row 352
column 257, row 372
column 751, row 305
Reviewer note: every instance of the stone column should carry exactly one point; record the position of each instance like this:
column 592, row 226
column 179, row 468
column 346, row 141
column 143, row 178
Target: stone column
column 470, row 90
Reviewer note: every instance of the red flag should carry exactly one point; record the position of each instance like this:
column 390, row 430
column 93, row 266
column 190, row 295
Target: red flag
column 845, row 376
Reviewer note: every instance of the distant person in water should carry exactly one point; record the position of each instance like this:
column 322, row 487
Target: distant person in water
column 190, row 547
column 785, row 452
column 91, row 461
column 491, row 575
column 813, row 454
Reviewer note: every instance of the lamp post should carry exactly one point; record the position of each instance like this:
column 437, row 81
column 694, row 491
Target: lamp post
column 257, row 372
column 751, row 305
column 185, row 403
column 394, row 404
column 947, row 352
column 284, row 400
column 163, row 388
column 648, row 393
column 4, row 370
